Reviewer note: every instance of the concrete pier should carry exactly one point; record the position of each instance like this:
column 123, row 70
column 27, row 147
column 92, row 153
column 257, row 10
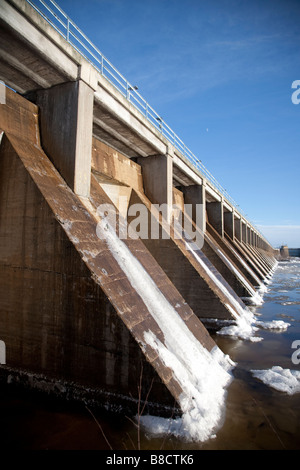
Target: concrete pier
column 284, row 252
column 157, row 173
column 68, row 142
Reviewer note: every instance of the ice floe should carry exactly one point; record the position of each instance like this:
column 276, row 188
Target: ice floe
column 283, row 380
column 273, row 325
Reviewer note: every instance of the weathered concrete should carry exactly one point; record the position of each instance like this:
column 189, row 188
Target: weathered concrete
column 238, row 228
column 157, row 173
column 235, row 278
column 35, row 56
column 244, row 232
column 262, row 258
column 229, row 224
column 223, row 257
column 242, row 249
column 112, row 166
column 68, row 141
column 265, row 260
column 196, row 196
column 189, row 277
column 210, row 247
column 89, row 326
column 74, row 332
column 72, row 309
column 216, row 216
column 284, row 252
column 239, row 261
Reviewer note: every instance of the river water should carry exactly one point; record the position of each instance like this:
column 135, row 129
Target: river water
column 257, row 415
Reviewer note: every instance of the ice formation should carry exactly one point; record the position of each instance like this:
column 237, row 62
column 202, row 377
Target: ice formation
column 244, row 319
column 202, row 375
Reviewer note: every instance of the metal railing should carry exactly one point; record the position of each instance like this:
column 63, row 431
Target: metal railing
column 61, row 22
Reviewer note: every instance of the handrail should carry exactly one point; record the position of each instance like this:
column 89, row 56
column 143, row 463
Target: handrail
column 63, row 24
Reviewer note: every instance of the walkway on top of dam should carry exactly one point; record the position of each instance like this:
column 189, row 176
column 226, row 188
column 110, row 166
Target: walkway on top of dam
column 41, row 48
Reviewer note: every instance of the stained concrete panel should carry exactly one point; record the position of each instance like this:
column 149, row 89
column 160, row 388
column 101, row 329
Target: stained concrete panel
column 195, row 195
column 66, row 119
column 216, row 216
column 157, row 172
column 68, row 308
column 229, row 224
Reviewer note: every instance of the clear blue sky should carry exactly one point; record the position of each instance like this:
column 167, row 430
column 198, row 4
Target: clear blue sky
column 220, row 73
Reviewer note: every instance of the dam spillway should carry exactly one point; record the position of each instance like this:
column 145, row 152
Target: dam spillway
column 79, row 305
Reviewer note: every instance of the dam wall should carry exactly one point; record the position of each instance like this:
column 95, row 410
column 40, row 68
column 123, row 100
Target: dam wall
column 68, row 312
column 90, row 300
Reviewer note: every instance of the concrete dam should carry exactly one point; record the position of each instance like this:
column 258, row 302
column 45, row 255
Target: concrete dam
column 118, row 249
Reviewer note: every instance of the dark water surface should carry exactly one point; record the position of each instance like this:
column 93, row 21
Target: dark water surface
column 256, row 415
